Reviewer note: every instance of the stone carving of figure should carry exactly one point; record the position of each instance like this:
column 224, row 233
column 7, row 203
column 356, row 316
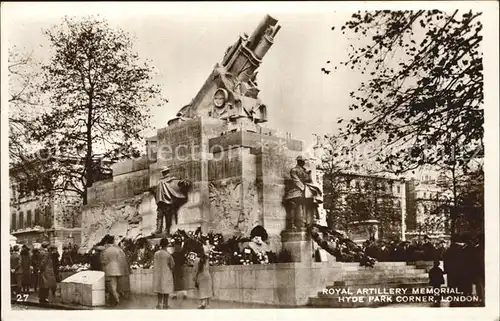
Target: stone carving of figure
column 171, row 194
column 219, row 109
column 302, row 198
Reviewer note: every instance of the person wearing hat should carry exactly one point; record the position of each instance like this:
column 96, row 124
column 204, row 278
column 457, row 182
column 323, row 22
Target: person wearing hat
column 54, row 254
column 66, row 258
column 163, row 280
column 295, row 195
column 115, row 265
column 47, row 275
column 202, row 278
column 15, row 270
column 25, row 269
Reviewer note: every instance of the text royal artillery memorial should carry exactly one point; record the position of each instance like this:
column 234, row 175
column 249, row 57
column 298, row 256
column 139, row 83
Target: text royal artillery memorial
column 238, row 176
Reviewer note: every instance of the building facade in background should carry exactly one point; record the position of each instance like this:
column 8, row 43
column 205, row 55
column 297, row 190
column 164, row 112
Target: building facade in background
column 405, row 208
column 43, row 216
column 351, row 197
column 427, row 210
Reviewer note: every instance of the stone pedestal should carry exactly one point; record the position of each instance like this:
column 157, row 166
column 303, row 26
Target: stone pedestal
column 84, row 288
column 155, row 240
column 299, row 244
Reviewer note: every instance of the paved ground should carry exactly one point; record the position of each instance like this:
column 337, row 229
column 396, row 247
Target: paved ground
column 18, row 307
column 140, row 302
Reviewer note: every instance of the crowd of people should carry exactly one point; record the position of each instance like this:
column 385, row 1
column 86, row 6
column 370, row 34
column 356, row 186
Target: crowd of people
column 168, row 260
column 346, row 250
column 37, row 269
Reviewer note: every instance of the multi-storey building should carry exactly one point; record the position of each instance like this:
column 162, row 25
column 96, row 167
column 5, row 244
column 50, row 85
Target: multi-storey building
column 427, row 213
column 42, row 216
column 351, row 197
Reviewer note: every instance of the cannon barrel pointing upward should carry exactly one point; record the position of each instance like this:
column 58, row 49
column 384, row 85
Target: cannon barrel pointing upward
column 260, row 31
column 247, row 54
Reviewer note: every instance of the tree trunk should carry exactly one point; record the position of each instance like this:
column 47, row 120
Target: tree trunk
column 88, row 156
column 454, row 208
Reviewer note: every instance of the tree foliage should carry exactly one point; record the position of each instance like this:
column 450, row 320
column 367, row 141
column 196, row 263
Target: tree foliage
column 424, row 88
column 100, row 93
column 23, row 102
column 371, row 198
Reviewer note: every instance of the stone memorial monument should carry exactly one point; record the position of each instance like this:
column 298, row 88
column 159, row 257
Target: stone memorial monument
column 238, row 170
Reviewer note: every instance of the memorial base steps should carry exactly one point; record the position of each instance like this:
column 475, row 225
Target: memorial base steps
column 380, row 278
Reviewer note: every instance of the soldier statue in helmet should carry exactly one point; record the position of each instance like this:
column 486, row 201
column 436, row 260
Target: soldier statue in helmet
column 301, row 197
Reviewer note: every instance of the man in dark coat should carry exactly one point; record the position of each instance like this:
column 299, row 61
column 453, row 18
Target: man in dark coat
column 452, row 264
column 47, row 276
column 436, row 279
column 26, row 269
column 178, row 272
column 478, row 267
column 66, row 258
column 54, row 254
column 429, row 249
column 35, row 263
column 15, row 270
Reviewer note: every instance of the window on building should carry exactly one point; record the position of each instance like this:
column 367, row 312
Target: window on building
column 425, row 194
column 37, row 217
column 21, row 220
column 358, row 185
column 29, row 222
column 14, row 222
column 48, row 217
column 398, row 189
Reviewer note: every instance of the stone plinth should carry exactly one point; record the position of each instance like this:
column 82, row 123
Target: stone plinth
column 299, row 244
column 282, row 284
column 238, row 180
column 84, row 288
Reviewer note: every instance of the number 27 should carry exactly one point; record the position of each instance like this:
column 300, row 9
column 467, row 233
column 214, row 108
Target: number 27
column 22, row 297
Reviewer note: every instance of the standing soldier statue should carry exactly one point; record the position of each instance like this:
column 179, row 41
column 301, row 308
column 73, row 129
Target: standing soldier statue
column 302, row 198
column 171, row 194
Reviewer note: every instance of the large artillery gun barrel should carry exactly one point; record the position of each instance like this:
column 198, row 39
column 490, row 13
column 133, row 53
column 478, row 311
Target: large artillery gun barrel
column 247, row 55
column 260, row 31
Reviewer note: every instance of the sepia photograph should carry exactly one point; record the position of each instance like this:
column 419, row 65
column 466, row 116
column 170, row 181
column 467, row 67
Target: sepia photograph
column 182, row 156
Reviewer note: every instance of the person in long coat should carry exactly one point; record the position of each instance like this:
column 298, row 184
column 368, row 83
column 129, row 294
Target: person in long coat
column 55, row 262
column 180, row 261
column 163, row 279
column 47, row 276
column 25, row 269
column 124, row 280
column 115, row 265
column 15, row 269
column 203, row 279
column 35, row 263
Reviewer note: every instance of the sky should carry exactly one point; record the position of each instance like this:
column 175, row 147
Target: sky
column 185, row 40
column 184, row 47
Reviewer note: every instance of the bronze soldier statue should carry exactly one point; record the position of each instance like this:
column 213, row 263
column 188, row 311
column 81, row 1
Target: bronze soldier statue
column 171, row 194
column 302, row 197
